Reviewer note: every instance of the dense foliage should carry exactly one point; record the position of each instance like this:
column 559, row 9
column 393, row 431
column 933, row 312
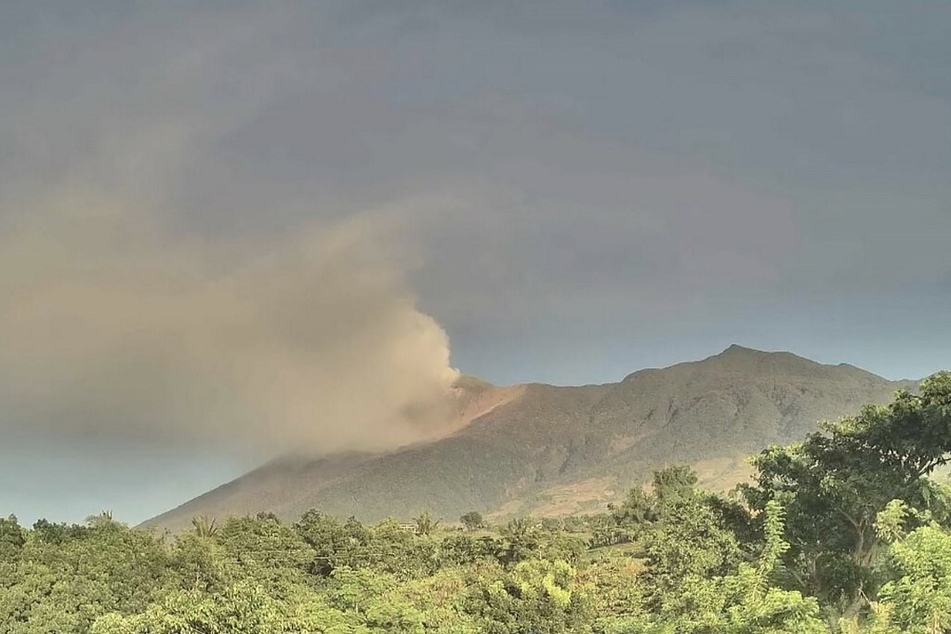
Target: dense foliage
column 844, row 532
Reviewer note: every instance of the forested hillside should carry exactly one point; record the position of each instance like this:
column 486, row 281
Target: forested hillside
column 556, row 451
column 843, row 532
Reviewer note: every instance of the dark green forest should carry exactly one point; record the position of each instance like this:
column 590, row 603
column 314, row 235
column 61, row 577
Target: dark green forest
column 846, row 531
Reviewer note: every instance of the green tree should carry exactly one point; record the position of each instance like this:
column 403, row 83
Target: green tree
column 426, row 524
column 371, row 597
column 535, row 597
column 265, row 550
column 688, row 540
column 521, row 537
column 12, row 539
column 741, row 602
column 402, row 553
column 674, row 484
column 460, row 549
column 204, row 527
column 334, row 544
column 243, row 609
column 835, row 483
column 69, row 575
column 918, row 591
column 472, row 520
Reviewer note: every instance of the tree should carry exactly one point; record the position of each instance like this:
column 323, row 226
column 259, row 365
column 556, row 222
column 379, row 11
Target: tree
column 740, row 602
column 688, row 540
column 521, row 540
column 533, row 597
column 204, row 527
column 472, row 520
column 425, row 524
column 201, row 563
column 670, row 486
column 12, row 539
column 674, row 484
column 631, row 517
column 57, row 533
column 461, row 549
column 835, row 483
column 68, row 576
column 242, row 609
column 265, row 549
column 918, row 566
column 402, row 553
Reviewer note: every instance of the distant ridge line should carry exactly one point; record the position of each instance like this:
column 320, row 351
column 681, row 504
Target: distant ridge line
column 554, row 450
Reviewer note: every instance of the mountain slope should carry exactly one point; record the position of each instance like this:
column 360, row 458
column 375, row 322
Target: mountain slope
column 555, row 450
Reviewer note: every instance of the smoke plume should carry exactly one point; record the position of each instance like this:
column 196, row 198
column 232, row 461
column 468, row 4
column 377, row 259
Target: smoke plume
column 115, row 327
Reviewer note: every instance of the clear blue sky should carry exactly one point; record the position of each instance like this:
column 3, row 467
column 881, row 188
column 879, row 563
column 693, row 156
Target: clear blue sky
column 571, row 191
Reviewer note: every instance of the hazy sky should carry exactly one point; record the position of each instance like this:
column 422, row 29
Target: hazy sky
column 227, row 225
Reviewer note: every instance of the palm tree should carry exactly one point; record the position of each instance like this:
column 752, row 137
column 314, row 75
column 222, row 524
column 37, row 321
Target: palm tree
column 425, row 524
column 97, row 521
column 204, row 527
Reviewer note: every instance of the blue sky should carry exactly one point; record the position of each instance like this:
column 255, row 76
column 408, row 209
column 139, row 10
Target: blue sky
column 564, row 192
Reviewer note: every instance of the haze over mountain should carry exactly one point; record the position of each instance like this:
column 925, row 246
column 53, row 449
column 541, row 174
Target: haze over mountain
column 550, row 450
column 231, row 229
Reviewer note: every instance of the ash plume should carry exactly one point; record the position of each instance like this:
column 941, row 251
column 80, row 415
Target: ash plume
column 114, row 327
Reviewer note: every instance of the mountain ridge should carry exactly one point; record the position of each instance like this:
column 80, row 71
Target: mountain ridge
column 553, row 450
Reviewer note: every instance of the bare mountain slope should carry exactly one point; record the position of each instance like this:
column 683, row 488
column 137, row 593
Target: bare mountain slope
column 555, row 450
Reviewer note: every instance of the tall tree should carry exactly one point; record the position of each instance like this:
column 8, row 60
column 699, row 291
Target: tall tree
column 835, row 483
column 425, row 524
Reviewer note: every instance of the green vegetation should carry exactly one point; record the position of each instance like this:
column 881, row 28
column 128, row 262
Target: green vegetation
column 843, row 532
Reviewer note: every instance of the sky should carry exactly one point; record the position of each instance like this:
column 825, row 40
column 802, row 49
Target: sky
column 231, row 229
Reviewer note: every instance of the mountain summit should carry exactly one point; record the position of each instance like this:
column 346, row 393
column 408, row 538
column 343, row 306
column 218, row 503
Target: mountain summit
column 551, row 450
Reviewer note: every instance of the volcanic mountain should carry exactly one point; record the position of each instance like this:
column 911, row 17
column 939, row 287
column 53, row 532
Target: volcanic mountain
column 549, row 450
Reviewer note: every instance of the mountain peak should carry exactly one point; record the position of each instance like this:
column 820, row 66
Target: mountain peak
column 734, row 359
column 736, row 346
column 737, row 358
column 736, row 349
